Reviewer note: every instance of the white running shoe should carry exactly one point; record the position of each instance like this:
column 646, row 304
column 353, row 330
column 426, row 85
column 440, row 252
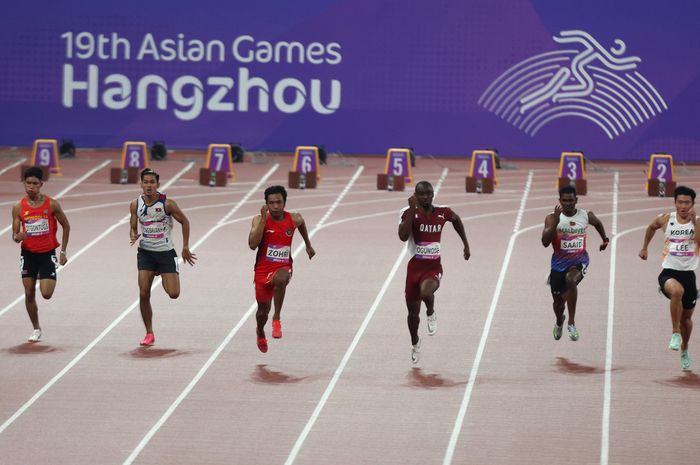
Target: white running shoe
column 675, row 343
column 415, row 352
column 432, row 324
column 685, row 360
column 36, row 336
column 573, row 333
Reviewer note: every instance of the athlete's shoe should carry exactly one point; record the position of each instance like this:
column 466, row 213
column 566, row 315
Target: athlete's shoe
column 556, row 332
column 415, row 352
column 573, row 333
column 432, row 324
column 262, row 344
column 36, row 336
column 675, row 343
column 685, row 360
column 149, row 340
column 276, row 329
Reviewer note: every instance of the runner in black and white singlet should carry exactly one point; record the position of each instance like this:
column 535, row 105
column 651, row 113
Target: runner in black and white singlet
column 565, row 230
column 421, row 226
column 680, row 260
column 153, row 213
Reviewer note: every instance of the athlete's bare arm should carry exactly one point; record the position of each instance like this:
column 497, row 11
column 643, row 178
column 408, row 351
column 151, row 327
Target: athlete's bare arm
column 550, row 226
column 65, row 226
column 257, row 229
column 17, row 233
column 174, row 210
column 459, row 227
column 598, row 225
column 406, row 225
column 133, row 224
column 301, row 226
column 658, row 223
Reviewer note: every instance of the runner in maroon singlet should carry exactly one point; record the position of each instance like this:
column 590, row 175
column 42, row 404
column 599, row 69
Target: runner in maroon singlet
column 271, row 233
column 421, row 225
column 34, row 225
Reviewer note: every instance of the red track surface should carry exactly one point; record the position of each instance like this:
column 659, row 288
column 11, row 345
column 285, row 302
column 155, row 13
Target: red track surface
column 340, row 388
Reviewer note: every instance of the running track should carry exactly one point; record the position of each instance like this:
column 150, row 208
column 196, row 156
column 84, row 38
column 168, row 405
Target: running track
column 492, row 387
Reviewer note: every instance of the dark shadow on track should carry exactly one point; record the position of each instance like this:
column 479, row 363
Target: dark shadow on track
column 30, row 348
column 687, row 380
column 150, row 352
column 418, row 379
column 564, row 365
column 264, row 375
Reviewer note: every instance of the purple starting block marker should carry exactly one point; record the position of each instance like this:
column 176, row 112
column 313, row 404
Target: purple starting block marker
column 306, row 160
column 134, row 155
column 483, row 165
column 661, row 168
column 45, row 153
column 398, row 163
column 571, row 166
column 219, row 158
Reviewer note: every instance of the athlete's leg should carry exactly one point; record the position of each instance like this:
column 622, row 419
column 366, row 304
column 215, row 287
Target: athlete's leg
column 47, row 286
column 279, row 283
column 261, row 316
column 145, row 283
column 30, row 301
column 559, row 305
column 573, row 277
column 171, row 284
column 686, row 326
column 427, row 294
column 674, row 291
column 413, row 319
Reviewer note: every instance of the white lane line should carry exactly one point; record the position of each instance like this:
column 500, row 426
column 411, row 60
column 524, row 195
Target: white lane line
column 73, row 257
column 449, row 453
column 107, row 330
column 348, row 353
column 215, row 355
column 69, row 188
column 9, row 167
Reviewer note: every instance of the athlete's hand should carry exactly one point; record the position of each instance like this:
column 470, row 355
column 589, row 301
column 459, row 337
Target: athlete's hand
column 62, row 259
column 412, row 201
column 467, row 254
column 643, row 254
column 188, row 256
column 604, row 245
column 310, row 252
column 133, row 238
column 19, row 237
column 263, row 211
column 557, row 210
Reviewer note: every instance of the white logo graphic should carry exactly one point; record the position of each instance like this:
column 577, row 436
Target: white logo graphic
column 596, row 84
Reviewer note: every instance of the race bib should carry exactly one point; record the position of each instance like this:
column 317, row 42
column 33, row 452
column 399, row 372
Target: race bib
column 278, row 253
column 36, row 227
column 681, row 248
column 572, row 244
column 428, row 250
column 153, row 231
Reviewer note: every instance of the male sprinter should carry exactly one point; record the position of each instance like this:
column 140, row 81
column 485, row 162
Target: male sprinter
column 680, row 259
column 565, row 230
column 421, row 226
column 156, row 252
column 271, row 233
column 34, row 221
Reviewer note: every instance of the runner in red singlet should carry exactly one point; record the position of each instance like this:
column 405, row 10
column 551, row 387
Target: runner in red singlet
column 271, row 233
column 34, row 225
column 421, row 225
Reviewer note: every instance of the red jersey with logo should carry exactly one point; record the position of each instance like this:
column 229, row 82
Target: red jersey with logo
column 424, row 242
column 275, row 249
column 39, row 225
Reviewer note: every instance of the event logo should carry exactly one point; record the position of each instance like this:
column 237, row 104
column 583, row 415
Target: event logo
column 593, row 83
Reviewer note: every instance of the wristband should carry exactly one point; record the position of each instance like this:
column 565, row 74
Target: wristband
column 62, row 252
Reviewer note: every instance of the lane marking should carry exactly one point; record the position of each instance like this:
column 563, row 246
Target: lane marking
column 215, row 355
column 449, row 453
column 348, row 353
column 95, row 241
column 9, row 167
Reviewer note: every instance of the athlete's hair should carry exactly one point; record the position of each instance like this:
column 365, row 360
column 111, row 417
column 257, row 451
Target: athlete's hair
column 276, row 190
column 684, row 190
column 423, row 184
column 35, row 171
column 149, row 172
column 567, row 190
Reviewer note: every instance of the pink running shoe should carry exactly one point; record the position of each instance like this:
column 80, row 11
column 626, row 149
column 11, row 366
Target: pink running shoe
column 262, row 344
column 276, row 329
column 149, row 340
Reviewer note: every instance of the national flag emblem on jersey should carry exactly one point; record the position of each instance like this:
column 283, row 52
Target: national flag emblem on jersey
column 572, row 223
column 158, row 209
column 288, row 232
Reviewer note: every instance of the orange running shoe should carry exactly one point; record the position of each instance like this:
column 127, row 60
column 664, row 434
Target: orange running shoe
column 149, row 340
column 262, row 344
column 276, row 329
